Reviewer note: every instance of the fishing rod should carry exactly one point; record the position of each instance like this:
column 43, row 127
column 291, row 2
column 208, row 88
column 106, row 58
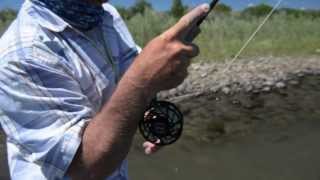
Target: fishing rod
column 211, row 7
column 162, row 123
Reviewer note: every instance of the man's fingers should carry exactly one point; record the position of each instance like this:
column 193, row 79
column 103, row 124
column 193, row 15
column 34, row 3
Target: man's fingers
column 191, row 50
column 150, row 148
column 192, row 34
column 187, row 22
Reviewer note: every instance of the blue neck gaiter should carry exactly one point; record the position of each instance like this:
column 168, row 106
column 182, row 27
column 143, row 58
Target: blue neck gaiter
column 78, row 13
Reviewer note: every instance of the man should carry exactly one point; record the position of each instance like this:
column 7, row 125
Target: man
column 70, row 103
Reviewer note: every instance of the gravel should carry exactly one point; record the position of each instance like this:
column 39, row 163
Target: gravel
column 252, row 75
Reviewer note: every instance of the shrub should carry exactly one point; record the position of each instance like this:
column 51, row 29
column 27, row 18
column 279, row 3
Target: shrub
column 139, row 7
column 6, row 16
column 223, row 9
column 258, row 11
column 177, row 9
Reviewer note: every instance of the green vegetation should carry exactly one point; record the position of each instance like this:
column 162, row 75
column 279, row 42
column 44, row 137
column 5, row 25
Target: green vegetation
column 139, row 8
column 260, row 10
column 6, row 16
column 282, row 35
column 177, row 9
column 222, row 9
column 289, row 32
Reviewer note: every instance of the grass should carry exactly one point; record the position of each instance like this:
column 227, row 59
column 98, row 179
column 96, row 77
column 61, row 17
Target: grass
column 3, row 26
column 223, row 36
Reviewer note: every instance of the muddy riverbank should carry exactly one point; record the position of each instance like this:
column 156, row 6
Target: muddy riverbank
column 254, row 136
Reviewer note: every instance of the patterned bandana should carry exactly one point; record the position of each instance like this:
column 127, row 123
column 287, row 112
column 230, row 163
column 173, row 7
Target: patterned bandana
column 78, row 13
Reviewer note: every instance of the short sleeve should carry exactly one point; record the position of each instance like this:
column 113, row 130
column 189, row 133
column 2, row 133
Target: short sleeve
column 44, row 113
column 127, row 49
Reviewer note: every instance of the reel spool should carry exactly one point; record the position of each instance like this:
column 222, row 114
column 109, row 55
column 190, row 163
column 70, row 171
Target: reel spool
column 162, row 123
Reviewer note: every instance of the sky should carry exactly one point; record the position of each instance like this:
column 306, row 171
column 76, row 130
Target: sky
column 165, row 4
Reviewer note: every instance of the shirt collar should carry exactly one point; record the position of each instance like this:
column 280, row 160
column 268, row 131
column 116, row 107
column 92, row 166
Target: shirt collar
column 45, row 17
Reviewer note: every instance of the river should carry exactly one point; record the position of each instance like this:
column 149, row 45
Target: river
column 283, row 154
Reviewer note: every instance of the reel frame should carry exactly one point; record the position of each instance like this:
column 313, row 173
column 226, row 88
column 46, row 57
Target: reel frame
column 162, row 123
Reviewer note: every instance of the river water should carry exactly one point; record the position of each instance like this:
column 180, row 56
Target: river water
column 282, row 154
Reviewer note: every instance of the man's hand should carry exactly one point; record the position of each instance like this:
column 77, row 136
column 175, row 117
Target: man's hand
column 164, row 61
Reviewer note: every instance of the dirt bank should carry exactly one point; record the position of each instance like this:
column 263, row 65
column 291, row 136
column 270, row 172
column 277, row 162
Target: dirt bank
column 212, row 115
column 251, row 75
column 271, row 92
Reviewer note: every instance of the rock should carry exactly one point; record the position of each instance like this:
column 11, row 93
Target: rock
column 268, row 83
column 294, row 82
column 172, row 92
column 226, row 90
column 255, row 91
column 300, row 74
column 280, row 85
column 236, row 102
column 181, row 88
column 248, row 88
column 196, row 67
column 214, row 89
column 248, row 75
column 203, row 75
column 266, row 89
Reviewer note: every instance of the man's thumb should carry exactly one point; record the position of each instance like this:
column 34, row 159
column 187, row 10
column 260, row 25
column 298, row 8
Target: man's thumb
column 188, row 21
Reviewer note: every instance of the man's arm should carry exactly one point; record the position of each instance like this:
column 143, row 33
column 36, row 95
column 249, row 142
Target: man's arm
column 161, row 65
column 107, row 138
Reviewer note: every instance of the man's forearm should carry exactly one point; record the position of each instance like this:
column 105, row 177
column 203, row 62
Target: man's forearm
column 160, row 66
column 108, row 137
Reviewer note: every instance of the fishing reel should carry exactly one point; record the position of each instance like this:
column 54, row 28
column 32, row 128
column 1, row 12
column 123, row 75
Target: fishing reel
column 162, row 123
